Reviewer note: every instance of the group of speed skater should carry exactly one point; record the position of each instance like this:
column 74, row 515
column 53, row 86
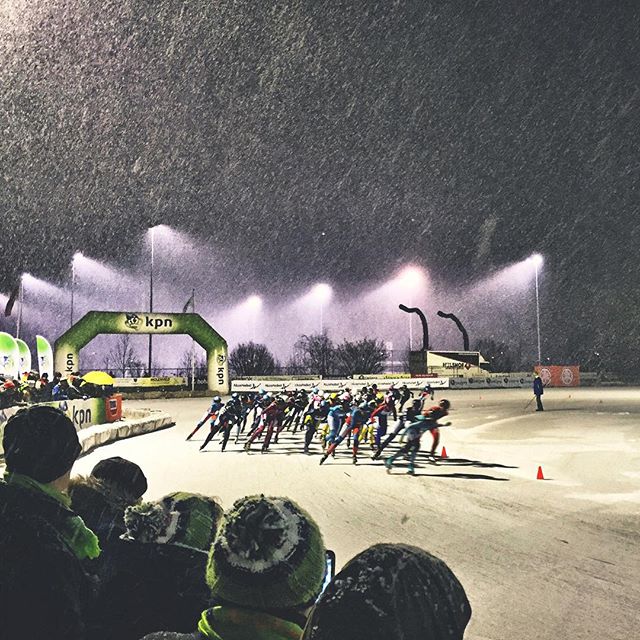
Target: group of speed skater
column 360, row 418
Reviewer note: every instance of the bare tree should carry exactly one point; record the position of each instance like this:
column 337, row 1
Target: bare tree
column 498, row 354
column 251, row 359
column 364, row 356
column 317, row 353
column 123, row 358
column 186, row 367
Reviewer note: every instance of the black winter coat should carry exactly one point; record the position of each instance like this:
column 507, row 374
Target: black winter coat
column 101, row 508
column 44, row 589
column 148, row 587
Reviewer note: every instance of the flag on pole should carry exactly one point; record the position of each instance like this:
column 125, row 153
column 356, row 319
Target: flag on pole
column 189, row 302
column 12, row 300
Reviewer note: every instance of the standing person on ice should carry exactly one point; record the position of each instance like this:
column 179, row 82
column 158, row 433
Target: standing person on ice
column 216, row 405
column 414, row 432
column 538, row 390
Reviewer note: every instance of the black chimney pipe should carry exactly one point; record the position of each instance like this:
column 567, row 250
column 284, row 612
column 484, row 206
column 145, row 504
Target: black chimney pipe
column 465, row 335
column 425, row 326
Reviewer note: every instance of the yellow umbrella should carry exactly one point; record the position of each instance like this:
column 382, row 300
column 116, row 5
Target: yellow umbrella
column 99, row 378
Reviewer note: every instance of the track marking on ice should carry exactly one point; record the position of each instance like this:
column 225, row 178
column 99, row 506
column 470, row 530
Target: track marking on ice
column 485, row 425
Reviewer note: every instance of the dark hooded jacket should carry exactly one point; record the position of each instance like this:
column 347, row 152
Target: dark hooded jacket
column 100, row 506
column 391, row 591
column 147, row 586
column 45, row 591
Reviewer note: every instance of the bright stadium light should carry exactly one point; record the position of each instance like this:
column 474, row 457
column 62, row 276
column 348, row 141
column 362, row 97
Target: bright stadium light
column 322, row 293
column 537, row 260
column 254, row 303
column 411, row 277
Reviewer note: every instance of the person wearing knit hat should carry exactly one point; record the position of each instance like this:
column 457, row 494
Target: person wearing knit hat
column 265, row 570
column 102, row 497
column 391, row 591
column 43, row 543
column 125, row 476
column 154, row 576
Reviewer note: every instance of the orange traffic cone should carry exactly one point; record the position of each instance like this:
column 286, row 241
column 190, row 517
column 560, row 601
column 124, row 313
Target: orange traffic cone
column 443, row 455
column 540, row 475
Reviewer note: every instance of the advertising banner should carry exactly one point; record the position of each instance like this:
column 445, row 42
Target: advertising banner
column 9, row 355
column 25, row 356
column 95, row 323
column 45, row 356
column 492, row 381
column 333, row 386
column 559, row 375
column 367, row 376
column 83, row 413
column 150, row 383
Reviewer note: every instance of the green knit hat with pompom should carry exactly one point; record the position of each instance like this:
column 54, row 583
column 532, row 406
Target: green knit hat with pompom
column 269, row 554
column 187, row 519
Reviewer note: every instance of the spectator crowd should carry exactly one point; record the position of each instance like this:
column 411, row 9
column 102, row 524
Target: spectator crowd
column 31, row 387
column 89, row 558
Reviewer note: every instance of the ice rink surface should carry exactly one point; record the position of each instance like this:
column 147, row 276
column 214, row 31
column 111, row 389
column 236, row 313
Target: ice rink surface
column 557, row 559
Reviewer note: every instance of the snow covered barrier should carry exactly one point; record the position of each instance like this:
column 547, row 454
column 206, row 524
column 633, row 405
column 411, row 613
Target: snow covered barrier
column 100, row 420
column 134, row 423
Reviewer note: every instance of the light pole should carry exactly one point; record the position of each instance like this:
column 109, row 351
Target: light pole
column 21, row 302
column 323, row 293
column 537, row 263
column 409, row 280
column 254, row 304
column 152, row 232
column 73, row 284
column 411, row 325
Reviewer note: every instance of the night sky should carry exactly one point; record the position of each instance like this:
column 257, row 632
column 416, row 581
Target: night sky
column 334, row 141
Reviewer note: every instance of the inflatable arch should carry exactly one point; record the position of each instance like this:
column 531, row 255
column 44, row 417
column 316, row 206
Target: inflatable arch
column 67, row 346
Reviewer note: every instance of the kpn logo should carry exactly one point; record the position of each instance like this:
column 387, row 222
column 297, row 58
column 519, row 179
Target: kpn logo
column 149, row 324
column 133, row 321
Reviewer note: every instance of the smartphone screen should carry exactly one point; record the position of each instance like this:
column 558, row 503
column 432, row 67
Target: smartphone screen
column 330, row 569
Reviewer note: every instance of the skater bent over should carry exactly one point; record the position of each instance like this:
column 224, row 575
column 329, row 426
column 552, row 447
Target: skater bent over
column 216, row 405
column 413, row 435
column 358, row 418
column 436, row 413
column 406, row 418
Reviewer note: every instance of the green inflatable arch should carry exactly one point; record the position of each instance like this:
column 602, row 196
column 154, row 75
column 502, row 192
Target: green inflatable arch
column 67, row 346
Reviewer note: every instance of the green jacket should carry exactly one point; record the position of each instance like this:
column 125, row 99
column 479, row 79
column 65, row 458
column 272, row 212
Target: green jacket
column 230, row 623
column 44, row 589
column 233, row 623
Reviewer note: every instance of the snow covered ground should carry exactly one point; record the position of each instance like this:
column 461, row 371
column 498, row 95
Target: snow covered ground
column 540, row 560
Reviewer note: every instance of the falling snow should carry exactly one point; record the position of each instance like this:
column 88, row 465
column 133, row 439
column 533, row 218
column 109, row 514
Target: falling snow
column 292, row 143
